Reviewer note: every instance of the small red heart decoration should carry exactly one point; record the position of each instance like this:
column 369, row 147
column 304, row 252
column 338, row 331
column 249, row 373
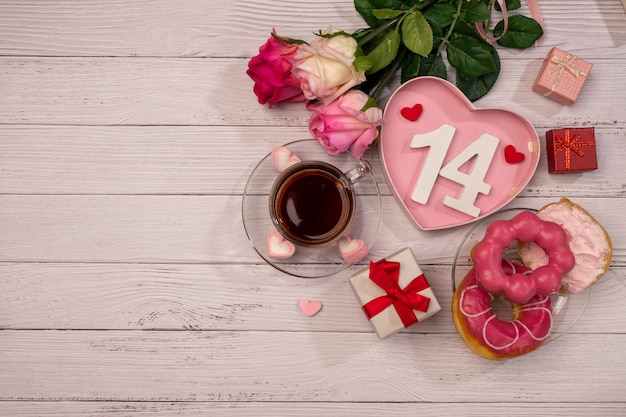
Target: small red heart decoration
column 412, row 113
column 512, row 156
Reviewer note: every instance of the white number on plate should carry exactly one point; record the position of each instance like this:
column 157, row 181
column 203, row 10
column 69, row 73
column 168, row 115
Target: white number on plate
column 439, row 140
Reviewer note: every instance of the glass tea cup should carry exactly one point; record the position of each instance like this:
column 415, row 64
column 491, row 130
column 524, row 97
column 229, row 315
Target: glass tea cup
column 312, row 203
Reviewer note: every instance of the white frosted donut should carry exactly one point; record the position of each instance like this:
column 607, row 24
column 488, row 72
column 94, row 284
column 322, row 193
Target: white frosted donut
column 586, row 238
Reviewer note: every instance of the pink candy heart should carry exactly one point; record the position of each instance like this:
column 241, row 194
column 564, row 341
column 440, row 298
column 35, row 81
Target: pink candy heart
column 279, row 248
column 352, row 250
column 310, row 308
column 283, row 158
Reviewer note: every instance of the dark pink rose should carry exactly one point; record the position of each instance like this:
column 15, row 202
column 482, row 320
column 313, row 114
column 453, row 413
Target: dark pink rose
column 271, row 72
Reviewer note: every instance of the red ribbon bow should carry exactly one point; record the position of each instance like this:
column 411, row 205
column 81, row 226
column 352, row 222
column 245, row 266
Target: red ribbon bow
column 385, row 274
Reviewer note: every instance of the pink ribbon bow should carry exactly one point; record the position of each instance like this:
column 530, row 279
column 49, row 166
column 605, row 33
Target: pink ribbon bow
column 535, row 13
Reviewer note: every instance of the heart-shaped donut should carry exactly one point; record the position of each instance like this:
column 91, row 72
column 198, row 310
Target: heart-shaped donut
column 452, row 167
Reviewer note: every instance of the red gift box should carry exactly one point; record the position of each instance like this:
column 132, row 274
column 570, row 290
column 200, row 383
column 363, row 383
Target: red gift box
column 571, row 150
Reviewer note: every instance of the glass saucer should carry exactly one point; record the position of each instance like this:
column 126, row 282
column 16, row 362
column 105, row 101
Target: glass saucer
column 567, row 309
column 308, row 262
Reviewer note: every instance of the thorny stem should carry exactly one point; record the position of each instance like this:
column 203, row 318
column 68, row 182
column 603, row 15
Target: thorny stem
column 444, row 41
column 389, row 73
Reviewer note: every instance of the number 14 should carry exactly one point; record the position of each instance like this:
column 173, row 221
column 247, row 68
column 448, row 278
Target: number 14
column 439, row 140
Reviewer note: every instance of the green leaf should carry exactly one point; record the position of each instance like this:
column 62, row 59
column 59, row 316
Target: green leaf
column 467, row 29
column 417, row 34
column 366, row 9
column 410, row 67
column 440, row 14
column 469, row 55
column 433, row 65
column 288, row 41
column 474, row 11
column 385, row 51
column 510, row 5
column 522, row 33
column 476, row 87
column 437, row 35
column 363, row 63
column 386, row 14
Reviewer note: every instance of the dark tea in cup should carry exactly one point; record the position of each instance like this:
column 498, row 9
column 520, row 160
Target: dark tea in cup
column 313, row 203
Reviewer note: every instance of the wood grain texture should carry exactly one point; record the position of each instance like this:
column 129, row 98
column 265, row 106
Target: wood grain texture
column 304, row 409
column 312, row 366
column 162, row 91
column 207, row 160
column 128, row 130
column 197, row 28
column 198, row 229
column 234, row 297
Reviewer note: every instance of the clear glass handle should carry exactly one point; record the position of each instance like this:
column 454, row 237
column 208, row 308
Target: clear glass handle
column 359, row 172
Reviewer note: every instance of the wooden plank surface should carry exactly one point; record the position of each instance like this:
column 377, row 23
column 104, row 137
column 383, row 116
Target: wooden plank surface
column 103, row 296
column 260, row 409
column 207, row 160
column 170, row 91
column 128, row 287
column 199, row 29
column 309, row 366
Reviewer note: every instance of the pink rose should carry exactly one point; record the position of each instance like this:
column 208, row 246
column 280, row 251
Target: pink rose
column 342, row 125
column 325, row 68
column 271, row 72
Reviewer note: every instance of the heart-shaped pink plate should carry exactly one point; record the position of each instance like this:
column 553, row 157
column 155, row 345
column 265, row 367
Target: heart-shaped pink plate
column 449, row 167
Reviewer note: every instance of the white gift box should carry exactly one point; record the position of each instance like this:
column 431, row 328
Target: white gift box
column 388, row 321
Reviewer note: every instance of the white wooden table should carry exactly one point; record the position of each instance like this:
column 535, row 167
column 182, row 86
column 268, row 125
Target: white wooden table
column 128, row 287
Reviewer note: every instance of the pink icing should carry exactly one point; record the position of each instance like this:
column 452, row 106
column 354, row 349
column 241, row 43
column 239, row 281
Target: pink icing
column 518, row 287
column 586, row 239
column 504, row 338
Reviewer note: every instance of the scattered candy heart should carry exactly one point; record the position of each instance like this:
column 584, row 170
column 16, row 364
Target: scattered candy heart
column 283, row 158
column 279, row 248
column 352, row 250
column 310, row 308
column 412, row 113
column 512, row 156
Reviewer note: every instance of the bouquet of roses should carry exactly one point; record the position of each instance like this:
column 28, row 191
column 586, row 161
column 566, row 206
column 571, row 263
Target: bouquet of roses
column 340, row 75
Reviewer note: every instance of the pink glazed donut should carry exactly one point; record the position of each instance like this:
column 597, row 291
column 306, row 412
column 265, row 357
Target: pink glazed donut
column 518, row 287
column 489, row 336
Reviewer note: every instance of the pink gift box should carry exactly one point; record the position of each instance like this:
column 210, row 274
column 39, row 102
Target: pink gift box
column 562, row 77
column 394, row 293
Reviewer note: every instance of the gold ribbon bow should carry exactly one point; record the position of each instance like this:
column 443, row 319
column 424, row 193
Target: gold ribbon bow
column 561, row 67
column 568, row 145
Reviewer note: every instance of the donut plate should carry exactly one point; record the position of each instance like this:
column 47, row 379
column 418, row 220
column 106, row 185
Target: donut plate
column 448, row 162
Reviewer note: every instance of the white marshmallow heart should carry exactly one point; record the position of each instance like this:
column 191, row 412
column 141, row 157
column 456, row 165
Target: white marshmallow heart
column 283, row 158
column 279, row 248
column 352, row 250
